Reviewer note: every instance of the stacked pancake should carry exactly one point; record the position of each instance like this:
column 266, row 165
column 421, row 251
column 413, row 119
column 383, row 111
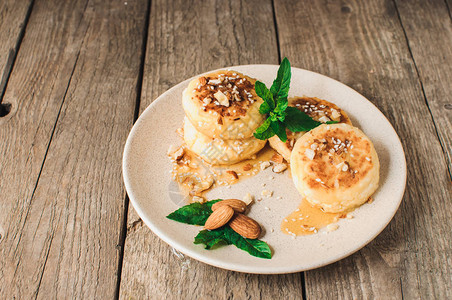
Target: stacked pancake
column 222, row 113
column 335, row 166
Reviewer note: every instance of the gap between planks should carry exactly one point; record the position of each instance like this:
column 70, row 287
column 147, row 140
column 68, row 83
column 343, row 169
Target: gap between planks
column 275, row 23
column 22, row 33
column 43, row 162
column 448, row 163
column 123, row 233
column 448, row 8
column 13, row 53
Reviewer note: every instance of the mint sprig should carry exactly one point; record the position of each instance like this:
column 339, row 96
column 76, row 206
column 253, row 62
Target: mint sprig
column 194, row 214
column 198, row 213
column 226, row 236
column 279, row 115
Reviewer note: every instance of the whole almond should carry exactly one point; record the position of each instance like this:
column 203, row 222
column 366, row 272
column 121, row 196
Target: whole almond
column 235, row 204
column 245, row 226
column 219, row 217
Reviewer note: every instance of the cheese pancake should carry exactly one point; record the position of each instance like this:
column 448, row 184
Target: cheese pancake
column 223, row 104
column 217, row 151
column 335, row 167
column 318, row 109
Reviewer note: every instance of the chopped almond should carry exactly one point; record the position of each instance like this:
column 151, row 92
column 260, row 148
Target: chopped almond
column 277, row 158
column 265, row 165
column 222, row 98
column 247, row 167
column 248, row 198
column 233, row 173
column 278, row 168
column 180, row 132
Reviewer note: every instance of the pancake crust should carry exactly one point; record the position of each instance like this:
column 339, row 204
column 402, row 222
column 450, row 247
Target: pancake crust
column 335, row 167
column 318, row 109
column 223, row 104
column 217, row 151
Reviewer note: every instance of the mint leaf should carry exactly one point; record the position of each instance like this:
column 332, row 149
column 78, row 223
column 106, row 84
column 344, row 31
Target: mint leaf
column 297, row 120
column 194, row 213
column 280, row 130
column 211, row 202
column 264, row 108
column 226, row 236
column 263, row 92
column 280, row 86
column 256, row 247
column 211, row 238
column 264, row 131
column 279, row 115
column 197, row 214
column 281, row 106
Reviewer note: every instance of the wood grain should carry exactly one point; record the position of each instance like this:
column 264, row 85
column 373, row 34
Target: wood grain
column 430, row 40
column 209, row 35
column 13, row 17
column 61, row 238
column 36, row 88
column 363, row 45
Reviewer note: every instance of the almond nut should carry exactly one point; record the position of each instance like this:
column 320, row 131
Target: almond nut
column 278, row 168
column 233, row 173
column 247, row 167
column 236, row 204
column 219, row 217
column 202, row 80
column 245, row 226
column 277, row 158
column 248, row 199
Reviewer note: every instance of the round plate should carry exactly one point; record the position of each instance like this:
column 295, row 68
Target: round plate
column 152, row 192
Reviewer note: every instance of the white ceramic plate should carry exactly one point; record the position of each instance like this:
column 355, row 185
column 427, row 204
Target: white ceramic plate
column 154, row 195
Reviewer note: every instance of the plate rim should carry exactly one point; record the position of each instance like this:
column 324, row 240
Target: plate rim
column 235, row 266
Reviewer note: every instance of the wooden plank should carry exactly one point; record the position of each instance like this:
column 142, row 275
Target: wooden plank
column 225, row 35
column 13, row 17
column 362, row 44
column 430, row 40
column 61, row 240
column 36, row 88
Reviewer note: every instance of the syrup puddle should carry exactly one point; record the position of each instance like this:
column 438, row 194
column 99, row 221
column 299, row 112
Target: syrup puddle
column 307, row 219
column 195, row 177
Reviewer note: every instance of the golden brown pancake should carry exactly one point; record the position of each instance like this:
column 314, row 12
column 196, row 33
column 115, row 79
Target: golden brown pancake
column 217, row 151
column 335, row 167
column 223, row 104
column 318, row 109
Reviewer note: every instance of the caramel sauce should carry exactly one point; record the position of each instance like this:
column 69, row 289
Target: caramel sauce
column 195, row 177
column 230, row 81
column 307, row 219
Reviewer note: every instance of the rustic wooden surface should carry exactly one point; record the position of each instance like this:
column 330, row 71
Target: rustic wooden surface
column 13, row 20
column 363, row 45
column 76, row 74
column 62, row 197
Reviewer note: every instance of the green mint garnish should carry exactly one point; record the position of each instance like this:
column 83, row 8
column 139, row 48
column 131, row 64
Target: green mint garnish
column 279, row 115
column 194, row 213
column 198, row 213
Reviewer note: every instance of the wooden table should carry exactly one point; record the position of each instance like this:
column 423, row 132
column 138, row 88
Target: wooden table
column 76, row 74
